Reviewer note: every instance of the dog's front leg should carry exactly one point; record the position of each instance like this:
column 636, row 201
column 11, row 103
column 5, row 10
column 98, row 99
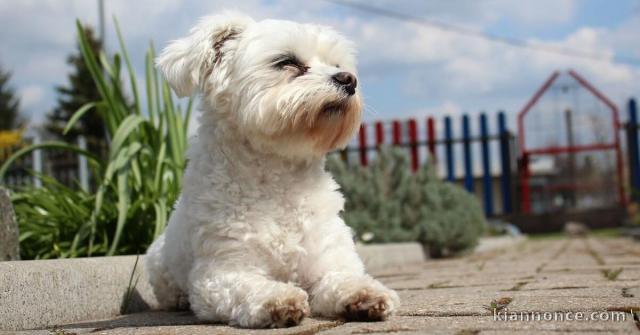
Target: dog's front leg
column 339, row 285
column 245, row 297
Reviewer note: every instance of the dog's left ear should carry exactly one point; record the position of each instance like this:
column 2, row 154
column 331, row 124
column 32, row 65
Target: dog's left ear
column 186, row 63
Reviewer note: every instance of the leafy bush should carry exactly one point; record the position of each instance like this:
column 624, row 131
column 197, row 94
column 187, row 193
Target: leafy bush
column 139, row 179
column 386, row 202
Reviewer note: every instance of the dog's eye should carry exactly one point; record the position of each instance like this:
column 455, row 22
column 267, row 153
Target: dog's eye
column 291, row 62
column 287, row 61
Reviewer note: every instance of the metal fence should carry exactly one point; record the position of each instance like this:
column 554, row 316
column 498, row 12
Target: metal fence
column 64, row 166
column 487, row 162
column 475, row 152
column 491, row 177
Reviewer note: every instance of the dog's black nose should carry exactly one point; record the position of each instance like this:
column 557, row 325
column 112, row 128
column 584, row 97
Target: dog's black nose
column 347, row 81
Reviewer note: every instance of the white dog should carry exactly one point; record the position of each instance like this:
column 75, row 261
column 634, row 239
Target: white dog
column 255, row 239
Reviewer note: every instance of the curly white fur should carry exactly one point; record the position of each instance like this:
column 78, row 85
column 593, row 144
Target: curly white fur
column 256, row 232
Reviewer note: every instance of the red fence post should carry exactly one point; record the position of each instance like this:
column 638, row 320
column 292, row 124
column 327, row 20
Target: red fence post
column 379, row 133
column 397, row 132
column 363, row 144
column 525, row 191
column 431, row 137
column 413, row 140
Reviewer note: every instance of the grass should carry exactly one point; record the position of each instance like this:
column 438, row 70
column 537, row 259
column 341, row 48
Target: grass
column 442, row 284
column 137, row 182
column 60, row 331
column 606, row 232
column 126, row 302
column 498, row 304
column 468, row 332
column 612, row 274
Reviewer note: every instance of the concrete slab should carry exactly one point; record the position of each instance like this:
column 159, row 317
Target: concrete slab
column 499, row 243
column 381, row 256
column 38, row 294
column 457, row 306
column 9, row 244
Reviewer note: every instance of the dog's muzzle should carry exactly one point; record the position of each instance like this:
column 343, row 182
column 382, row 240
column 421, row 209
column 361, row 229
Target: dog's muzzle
column 346, row 81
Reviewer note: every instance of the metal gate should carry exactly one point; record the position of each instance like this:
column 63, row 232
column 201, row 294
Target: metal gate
column 570, row 156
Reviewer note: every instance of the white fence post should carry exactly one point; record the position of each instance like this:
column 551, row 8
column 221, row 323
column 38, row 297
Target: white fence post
column 83, row 169
column 37, row 163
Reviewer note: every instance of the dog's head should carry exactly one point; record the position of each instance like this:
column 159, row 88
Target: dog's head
column 290, row 87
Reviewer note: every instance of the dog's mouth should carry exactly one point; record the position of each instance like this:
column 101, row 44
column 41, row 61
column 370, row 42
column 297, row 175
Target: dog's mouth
column 335, row 108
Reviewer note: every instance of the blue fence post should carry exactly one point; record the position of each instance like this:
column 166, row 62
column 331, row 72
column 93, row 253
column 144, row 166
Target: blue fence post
column 632, row 150
column 448, row 143
column 505, row 163
column 487, row 185
column 468, row 163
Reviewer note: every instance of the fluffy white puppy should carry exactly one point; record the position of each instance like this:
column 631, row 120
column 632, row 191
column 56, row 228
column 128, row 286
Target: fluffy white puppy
column 255, row 239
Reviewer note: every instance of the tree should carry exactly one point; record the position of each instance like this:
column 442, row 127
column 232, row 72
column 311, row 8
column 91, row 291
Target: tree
column 9, row 104
column 80, row 91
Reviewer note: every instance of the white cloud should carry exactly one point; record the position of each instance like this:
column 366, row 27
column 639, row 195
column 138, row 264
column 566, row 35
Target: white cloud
column 431, row 67
column 538, row 12
column 442, row 66
column 481, row 13
column 447, row 108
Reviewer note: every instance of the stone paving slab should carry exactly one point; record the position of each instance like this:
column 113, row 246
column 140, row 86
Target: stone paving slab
column 37, row 294
column 436, row 283
column 590, row 280
column 455, row 296
column 475, row 325
column 169, row 323
column 459, row 325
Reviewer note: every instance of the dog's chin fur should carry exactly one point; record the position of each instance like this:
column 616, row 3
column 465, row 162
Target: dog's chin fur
column 255, row 239
column 314, row 133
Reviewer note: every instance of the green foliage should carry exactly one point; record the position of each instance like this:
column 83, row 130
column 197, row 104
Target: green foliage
column 50, row 216
column 386, row 202
column 80, row 91
column 138, row 180
column 9, row 104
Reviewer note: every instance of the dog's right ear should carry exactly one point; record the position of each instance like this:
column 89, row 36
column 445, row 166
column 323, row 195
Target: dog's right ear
column 187, row 62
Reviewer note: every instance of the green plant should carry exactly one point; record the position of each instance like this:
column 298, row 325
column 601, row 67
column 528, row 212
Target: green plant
column 498, row 304
column 612, row 274
column 386, row 202
column 131, row 288
column 138, row 181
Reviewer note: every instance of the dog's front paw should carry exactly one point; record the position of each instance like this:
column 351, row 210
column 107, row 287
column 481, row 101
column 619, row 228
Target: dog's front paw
column 353, row 298
column 287, row 311
column 368, row 304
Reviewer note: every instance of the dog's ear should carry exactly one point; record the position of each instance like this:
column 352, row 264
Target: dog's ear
column 187, row 62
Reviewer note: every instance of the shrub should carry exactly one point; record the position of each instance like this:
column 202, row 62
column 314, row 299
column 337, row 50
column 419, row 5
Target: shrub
column 138, row 181
column 386, row 202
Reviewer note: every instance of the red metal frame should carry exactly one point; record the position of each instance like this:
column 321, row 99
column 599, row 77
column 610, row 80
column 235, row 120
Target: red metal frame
column 616, row 126
column 397, row 132
column 525, row 153
column 431, row 137
column 363, row 145
column 413, row 141
column 379, row 133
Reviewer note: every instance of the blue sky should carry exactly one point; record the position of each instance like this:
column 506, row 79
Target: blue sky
column 406, row 69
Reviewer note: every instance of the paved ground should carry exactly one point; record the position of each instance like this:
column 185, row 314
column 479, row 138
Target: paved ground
column 455, row 296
